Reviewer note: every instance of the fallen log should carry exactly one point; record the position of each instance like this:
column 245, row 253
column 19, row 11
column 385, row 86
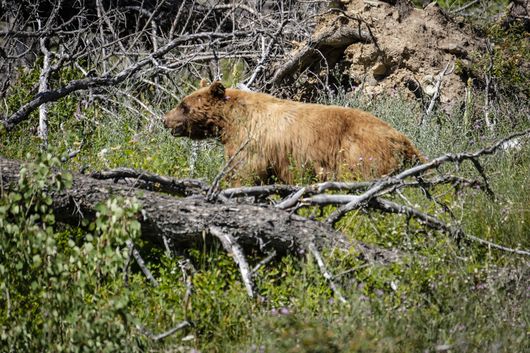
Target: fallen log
column 188, row 222
column 330, row 43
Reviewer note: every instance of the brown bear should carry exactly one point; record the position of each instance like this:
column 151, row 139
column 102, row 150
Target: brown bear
column 284, row 137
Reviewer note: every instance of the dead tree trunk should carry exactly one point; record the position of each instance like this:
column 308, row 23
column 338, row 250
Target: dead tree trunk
column 187, row 222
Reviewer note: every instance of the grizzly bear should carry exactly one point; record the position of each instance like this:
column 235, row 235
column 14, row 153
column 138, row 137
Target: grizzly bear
column 283, row 137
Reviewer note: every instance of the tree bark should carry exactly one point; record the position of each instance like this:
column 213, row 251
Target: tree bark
column 330, row 44
column 186, row 222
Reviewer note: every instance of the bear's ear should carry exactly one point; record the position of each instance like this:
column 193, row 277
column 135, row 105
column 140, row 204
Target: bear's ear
column 203, row 83
column 217, row 90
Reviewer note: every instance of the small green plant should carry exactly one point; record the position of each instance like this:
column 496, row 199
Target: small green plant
column 232, row 71
column 511, row 54
column 61, row 288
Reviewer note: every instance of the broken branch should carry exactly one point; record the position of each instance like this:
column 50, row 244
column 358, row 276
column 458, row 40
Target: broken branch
column 388, row 182
column 232, row 247
column 107, row 80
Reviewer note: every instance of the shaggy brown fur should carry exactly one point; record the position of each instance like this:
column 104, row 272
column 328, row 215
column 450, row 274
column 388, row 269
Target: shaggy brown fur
column 334, row 142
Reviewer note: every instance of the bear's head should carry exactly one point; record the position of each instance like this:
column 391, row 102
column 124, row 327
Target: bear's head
column 199, row 115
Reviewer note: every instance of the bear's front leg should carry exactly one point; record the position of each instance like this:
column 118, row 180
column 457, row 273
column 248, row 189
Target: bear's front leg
column 245, row 168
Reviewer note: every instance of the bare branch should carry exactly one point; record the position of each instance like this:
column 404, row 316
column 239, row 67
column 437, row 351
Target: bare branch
column 389, row 182
column 259, row 191
column 426, row 116
column 93, row 82
column 182, row 187
column 165, row 334
column 292, row 200
column 433, row 222
column 344, row 186
column 43, row 87
column 466, row 6
column 233, row 248
column 328, row 276
column 213, row 192
column 141, row 263
column 263, row 262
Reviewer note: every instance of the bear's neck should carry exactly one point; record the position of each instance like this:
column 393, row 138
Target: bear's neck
column 240, row 110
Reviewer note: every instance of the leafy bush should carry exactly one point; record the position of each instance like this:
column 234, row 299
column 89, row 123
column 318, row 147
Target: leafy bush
column 59, row 285
column 511, row 57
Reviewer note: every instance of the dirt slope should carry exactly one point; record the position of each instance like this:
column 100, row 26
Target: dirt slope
column 414, row 48
column 386, row 47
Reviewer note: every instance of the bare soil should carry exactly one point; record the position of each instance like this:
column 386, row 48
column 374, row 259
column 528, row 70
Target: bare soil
column 385, row 48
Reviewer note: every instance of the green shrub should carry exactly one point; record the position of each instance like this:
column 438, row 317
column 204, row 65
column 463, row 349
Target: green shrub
column 61, row 287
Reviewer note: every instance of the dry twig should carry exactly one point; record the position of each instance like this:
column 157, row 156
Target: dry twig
column 161, row 336
column 386, row 183
column 328, row 276
column 136, row 254
column 232, row 247
column 426, row 116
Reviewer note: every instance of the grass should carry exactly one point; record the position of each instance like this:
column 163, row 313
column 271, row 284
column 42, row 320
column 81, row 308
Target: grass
column 443, row 296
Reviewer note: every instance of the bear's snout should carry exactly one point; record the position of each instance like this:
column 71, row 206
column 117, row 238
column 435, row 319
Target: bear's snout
column 177, row 128
column 173, row 122
column 165, row 122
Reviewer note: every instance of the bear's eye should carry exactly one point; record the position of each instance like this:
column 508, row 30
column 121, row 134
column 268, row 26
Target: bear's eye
column 185, row 108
